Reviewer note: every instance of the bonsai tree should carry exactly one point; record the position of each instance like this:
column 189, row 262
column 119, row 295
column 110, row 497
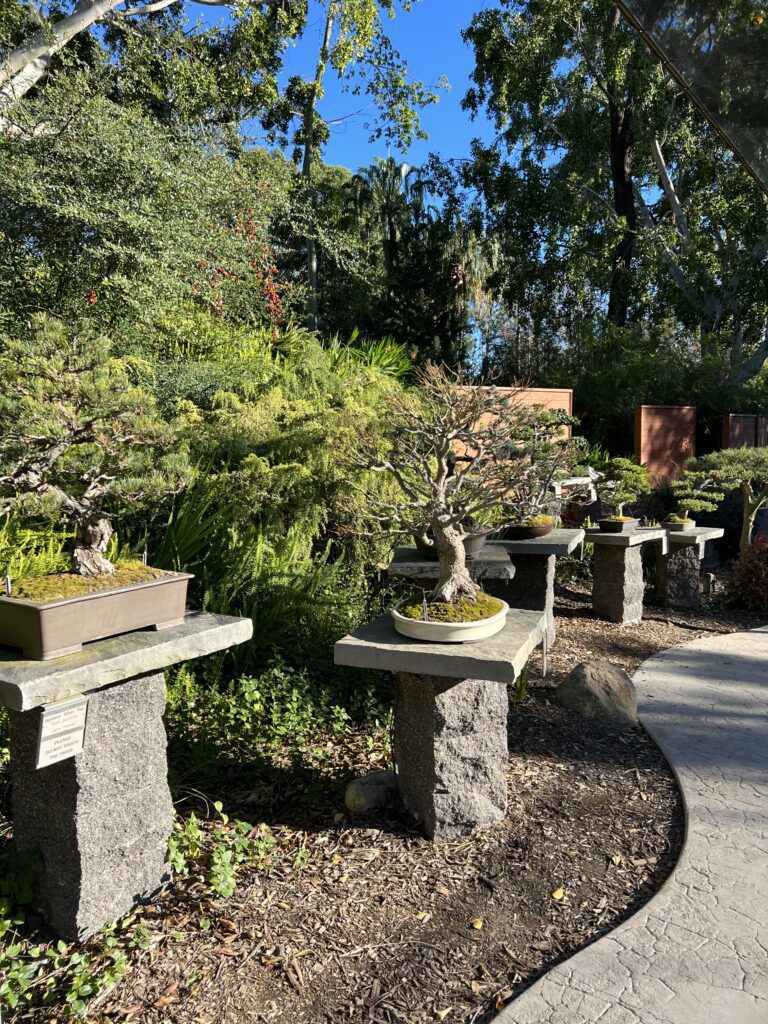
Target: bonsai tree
column 622, row 482
column 453, row 454
column 701, row 487
column 548, row 455
column 77, row 436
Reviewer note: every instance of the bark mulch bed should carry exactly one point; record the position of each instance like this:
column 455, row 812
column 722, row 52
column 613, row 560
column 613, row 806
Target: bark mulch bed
column 365, row 921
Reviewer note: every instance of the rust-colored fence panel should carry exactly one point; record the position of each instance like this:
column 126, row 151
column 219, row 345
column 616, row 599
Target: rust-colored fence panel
column 745, row 431
column 559, row 399
column 665, row 438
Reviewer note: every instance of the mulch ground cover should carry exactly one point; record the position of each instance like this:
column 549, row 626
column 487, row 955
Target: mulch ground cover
column 366, row 921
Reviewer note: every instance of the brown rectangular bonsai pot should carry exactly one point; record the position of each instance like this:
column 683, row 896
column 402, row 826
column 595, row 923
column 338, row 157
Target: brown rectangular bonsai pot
column 51, row 629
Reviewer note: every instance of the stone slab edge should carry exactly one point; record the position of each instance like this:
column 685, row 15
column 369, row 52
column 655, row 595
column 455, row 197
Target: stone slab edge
column 698, row 536
column 696, row 949
column 558, row 543
column 499, row 659
column 26, row 684
column 626, row 540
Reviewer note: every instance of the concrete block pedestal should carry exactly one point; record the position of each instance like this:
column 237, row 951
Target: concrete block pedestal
column 450, row 727
column 533, row 585
column 678, row 573
column 100, row 820
column 618, row 588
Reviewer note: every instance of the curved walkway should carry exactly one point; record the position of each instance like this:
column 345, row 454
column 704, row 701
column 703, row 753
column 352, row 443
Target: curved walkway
column 697, row 953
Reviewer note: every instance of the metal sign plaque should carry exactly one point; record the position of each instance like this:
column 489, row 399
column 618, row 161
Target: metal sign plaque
column 62, row 730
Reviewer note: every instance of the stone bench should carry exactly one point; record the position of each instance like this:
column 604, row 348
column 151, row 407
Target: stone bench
column 100, row 819
column 618, row 587
column 450, row 726
column 534, row 559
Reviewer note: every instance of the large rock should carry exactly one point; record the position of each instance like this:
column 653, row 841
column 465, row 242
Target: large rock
column 370, row 792
column 599, row 690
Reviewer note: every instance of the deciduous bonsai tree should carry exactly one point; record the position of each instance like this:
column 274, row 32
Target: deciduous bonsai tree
column 78, row 437
column 622, row 482
column 549, row 455
column 701, row 487
column 454, row 454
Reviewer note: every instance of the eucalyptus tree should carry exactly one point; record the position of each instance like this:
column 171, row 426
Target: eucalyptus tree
column 222, row 72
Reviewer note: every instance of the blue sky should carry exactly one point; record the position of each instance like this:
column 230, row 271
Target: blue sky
column 429, row 39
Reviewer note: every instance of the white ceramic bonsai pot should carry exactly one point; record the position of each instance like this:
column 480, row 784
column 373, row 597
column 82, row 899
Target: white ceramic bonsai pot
column 53, row 629
column 618, row 525
column 450, row 632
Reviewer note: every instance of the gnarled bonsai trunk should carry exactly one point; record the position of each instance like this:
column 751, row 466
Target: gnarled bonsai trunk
column 92, row 535
column 454, row 582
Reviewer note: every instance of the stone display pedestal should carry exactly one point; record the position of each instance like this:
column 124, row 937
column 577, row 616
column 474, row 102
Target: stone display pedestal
column 492, row 569
column 678, row 573
column 450, row 727
column 100, row 820
column 618, row 588
column 533, row 585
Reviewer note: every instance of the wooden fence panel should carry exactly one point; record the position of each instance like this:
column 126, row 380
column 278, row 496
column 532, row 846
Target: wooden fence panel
column 665, row 438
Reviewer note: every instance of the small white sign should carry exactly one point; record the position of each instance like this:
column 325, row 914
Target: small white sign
column 62, row 730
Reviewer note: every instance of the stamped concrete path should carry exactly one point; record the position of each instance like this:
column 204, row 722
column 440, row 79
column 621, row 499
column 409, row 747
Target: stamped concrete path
column 697, row 953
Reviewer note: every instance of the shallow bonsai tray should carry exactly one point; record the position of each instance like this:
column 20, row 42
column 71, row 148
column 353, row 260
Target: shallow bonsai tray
column 680, row 527
column 52, row 629
column 451, row 632
column 513, row 532
column 614, row 526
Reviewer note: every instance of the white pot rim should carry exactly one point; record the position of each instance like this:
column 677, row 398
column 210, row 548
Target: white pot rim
column 451, row 632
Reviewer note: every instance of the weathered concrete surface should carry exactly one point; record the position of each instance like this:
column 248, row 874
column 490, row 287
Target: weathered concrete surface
column 618, row 588
column 100, row 820
column 599, row 690
column 500, row 657
column 533, row 586
column 450, row 749
column 697, row 951
column 26, row 684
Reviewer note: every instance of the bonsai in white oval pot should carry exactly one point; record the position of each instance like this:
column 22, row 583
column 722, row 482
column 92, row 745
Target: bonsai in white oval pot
column 621, row 484
column 450, row 455
column 78, row 439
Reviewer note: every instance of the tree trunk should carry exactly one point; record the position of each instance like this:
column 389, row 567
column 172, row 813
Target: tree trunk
column 23, row 68
column 622, row 153
column 624, row 205
column 751, row 508
column 308, row 125
column 92, row 535
column 454, row 582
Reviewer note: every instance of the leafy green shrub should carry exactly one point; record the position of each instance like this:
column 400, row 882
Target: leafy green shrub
column 215, row 852
column 748, row 583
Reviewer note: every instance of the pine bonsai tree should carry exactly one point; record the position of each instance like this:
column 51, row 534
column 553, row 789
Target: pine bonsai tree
column 78, row 436
column 454, row 453
column 702, row 485
column 622, row 482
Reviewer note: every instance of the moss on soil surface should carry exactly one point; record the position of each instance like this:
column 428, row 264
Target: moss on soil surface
column 534, row 521
column 618, row 519
column 677, row 519
column 465, row 610
column 69, row 584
